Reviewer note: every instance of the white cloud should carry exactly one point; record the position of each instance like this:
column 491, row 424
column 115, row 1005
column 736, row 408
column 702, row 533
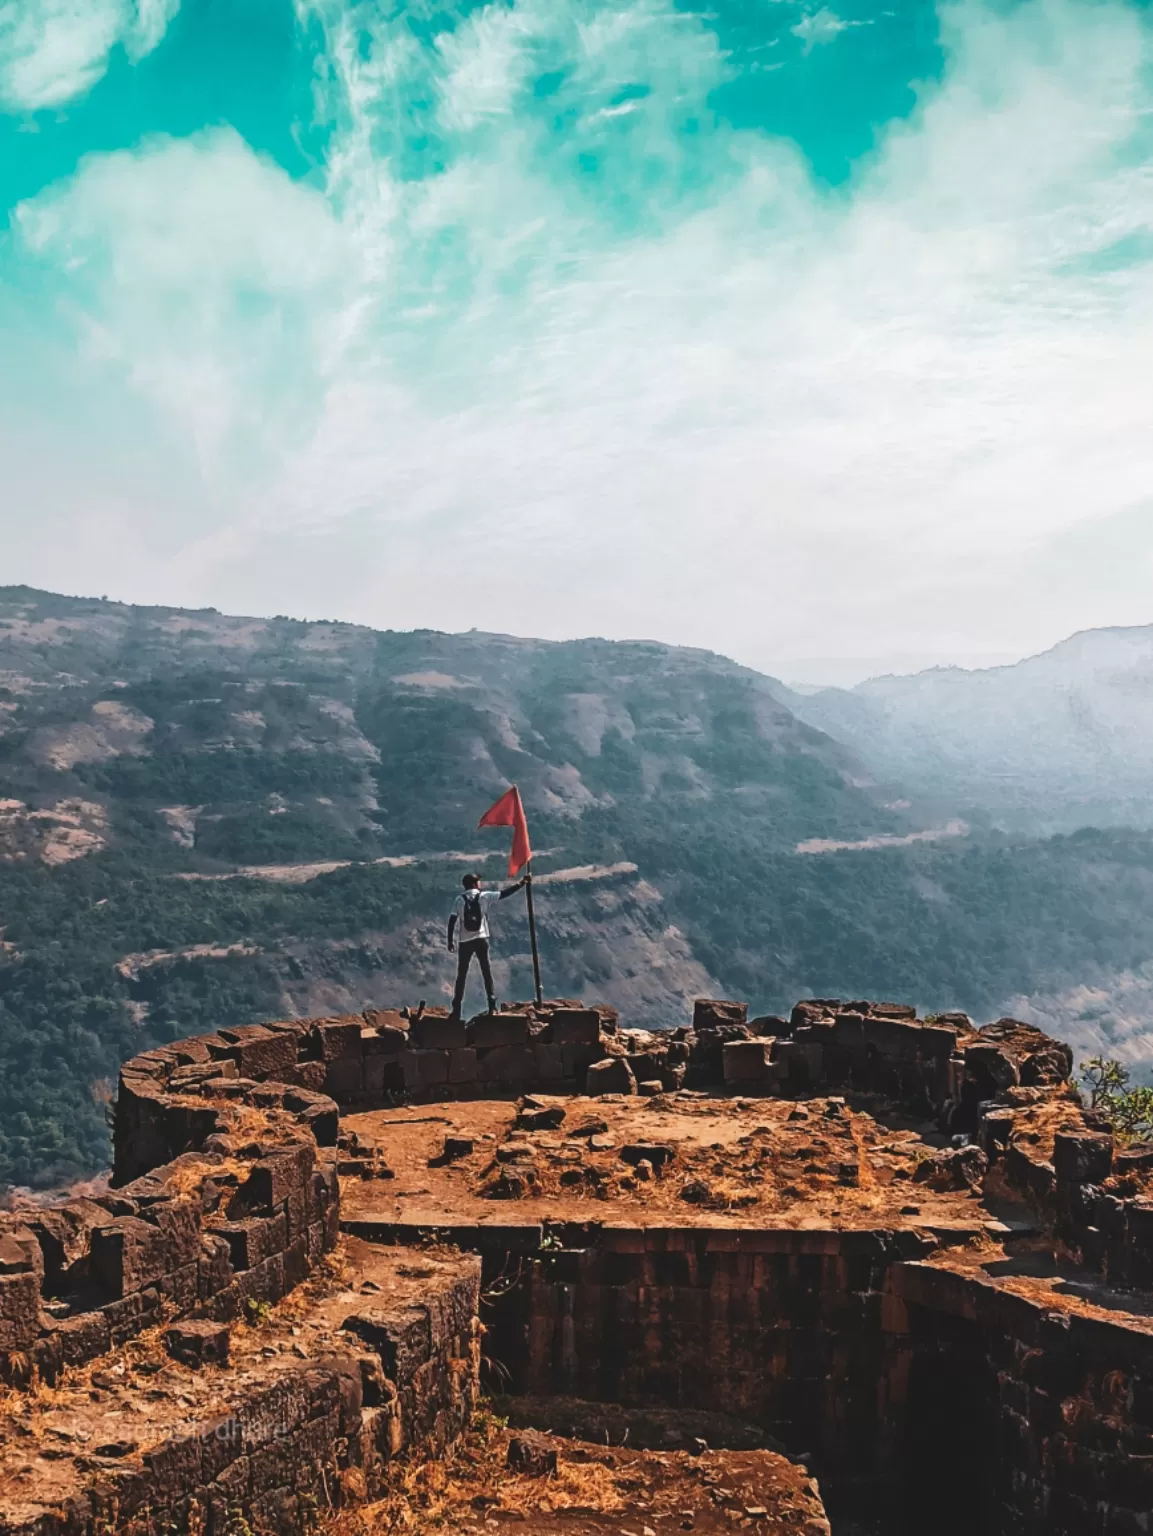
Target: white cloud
column 52, row 51
column 819, row 27
column 208, row 279
column 761, row 419
column 149, row 25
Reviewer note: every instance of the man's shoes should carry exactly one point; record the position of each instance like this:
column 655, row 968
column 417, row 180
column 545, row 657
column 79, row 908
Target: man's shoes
column 493, row 1005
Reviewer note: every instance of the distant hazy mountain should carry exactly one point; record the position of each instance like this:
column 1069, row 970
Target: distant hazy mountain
column 1058, row 741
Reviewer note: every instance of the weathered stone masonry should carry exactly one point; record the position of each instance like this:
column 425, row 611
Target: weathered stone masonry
column 226, row 1199
column 896, row 1360
column 848, row 1344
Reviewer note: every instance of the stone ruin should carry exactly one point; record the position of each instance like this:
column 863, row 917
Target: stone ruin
column 850, row 1270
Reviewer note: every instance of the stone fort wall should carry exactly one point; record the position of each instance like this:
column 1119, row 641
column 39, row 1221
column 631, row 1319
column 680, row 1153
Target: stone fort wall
column 871, row 1350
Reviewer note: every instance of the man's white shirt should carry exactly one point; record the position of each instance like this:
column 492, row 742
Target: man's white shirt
column 470, row 935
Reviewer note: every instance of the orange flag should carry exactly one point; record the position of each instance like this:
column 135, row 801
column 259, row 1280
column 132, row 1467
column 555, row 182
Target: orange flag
column 509, row 812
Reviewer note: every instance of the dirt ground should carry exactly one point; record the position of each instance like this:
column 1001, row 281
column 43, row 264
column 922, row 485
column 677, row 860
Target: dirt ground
column 676, row 1158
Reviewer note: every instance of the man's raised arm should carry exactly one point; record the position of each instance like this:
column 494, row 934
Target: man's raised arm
column 511, row 890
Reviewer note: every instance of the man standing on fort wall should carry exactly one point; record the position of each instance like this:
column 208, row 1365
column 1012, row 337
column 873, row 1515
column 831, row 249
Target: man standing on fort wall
column 468, row 933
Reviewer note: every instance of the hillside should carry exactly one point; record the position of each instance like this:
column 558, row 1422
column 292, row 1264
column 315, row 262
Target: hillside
column 213, row 741
column 1058, row 741
column 209, row 819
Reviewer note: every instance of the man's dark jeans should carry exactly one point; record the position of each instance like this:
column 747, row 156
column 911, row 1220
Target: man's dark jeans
column 466, row 952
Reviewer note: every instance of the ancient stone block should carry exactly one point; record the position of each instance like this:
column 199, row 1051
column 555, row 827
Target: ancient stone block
column 227, row 1495
column 344, row 1077
column 990, row 1061
column 254, row 1239
column 214, row 1266
column 193, row 1050
column 384, row 1040
column 1083, row 1157
column 296, row 1211
column 803, row 1062
column 533, row 1117
column 82, row 1338
column 179, row 1221
column 993, row 1131
column 316, row 1243
column 574, row 1026
column 961, row 1168
column 257, row 1052
column 646, row 1065
column 305, row 1074
column 896, row 1039
column 887, row 1010
column 20, row 1252
column 297, row 1027
column 749, row 1061
column 1052, row 1064
column 64, row 1233
column 317, row 1112
column 179, row 1287
column 425, row 1069
column 432, row 1033
column 193, row 1077
column 548, row 1061
column 198, row 1343
column 462, row 1065
column 296, row 1262
column 506, row 1065
column 492, row 1029
column 401, row 1337
column 330, row 1039
column 129, row 1315
column 276, row 1177
column 713, row 1013
column 264, row 1282
column 267, row 1095
column 323, row 1192
column 127, row 1255
column 19, row 1311
column 612, row 1075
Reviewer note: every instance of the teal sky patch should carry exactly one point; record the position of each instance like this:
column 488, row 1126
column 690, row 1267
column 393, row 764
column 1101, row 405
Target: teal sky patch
column 827, row 80
column 246, row 63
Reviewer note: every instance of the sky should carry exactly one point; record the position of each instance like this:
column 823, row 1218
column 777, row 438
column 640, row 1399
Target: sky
column 818, row 334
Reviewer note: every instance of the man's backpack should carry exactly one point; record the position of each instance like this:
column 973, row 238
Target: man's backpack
column 473, row 916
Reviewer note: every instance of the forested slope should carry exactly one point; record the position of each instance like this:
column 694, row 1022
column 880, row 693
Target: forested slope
column 209, row 819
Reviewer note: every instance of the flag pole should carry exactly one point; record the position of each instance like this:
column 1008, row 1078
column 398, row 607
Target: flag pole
column 532, row 936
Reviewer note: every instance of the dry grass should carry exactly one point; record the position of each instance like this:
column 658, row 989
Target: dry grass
column 474, row 1480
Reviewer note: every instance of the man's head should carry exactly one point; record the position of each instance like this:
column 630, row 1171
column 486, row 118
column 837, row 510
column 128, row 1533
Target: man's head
column 471, row 882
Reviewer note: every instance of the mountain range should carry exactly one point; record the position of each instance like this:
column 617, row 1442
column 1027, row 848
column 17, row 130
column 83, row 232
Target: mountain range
column 1058, row 741
column 209, row 819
